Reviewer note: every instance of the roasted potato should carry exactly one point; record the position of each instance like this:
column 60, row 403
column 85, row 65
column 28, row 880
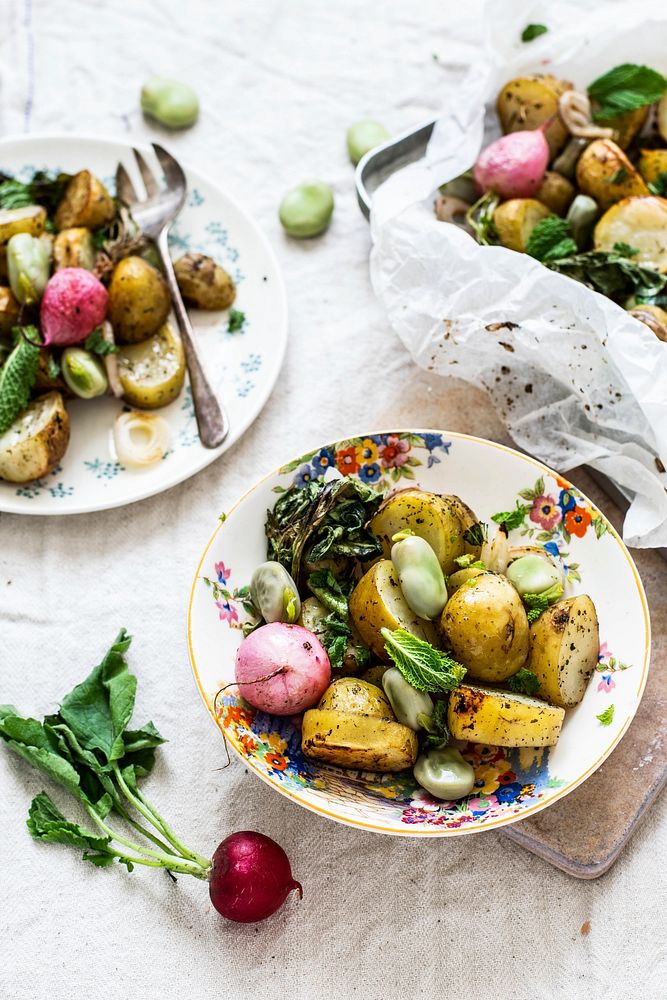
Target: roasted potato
column 556, row 192
column 462, row 576
column 29, row 220
column 500, row 718
column 528, row 102
column 605, row 173
column 377, row 602
column 515, row 220
column 152, row 372
column 427, row 515
column 86, row 202
column 9, row 311
column 654, row 318
column 652, row 163
column 564, row 647
column 641, row 222
column 626, row 125
column 36, row 441
column 467, row 517
column 203, row 283
column 661, row 117
column 139, row 300
column 350, row 694
column 486, row 625
column 375, row 673
column 74, row 248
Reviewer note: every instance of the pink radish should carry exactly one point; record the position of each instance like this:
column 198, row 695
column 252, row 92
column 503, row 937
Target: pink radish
column 251, row 877
column 282, row 669
column 514, row 165
column 73, row 304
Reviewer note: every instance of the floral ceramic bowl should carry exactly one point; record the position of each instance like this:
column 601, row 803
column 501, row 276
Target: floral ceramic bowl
column 510, row 784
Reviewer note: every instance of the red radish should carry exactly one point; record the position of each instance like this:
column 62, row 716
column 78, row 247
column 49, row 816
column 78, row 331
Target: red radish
column 251, row 877
column 514, row 165
column 282, row 669
column 73, row 304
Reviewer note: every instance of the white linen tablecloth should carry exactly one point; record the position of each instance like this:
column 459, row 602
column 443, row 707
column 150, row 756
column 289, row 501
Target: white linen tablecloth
column 475, row 917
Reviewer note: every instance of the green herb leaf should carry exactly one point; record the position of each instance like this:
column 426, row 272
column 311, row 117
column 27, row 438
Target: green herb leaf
column 52, row 366
column 532, row 31
column 551, row 239
column 480, row 218
column 512, row 518
column 236, row 321
column 47, row 823
column 626, row 88
column 537, row 603
column 423, row 666
column 468, row 561
column 619, row 176
column 32, row 741
column 98, row 344
column 475, row 534
column 524, row 682
column 326, row 588
column 610, row 273
column 607, row 717
column 659, row 185
column 17, row 377
column 625, row 249
column 43, row 189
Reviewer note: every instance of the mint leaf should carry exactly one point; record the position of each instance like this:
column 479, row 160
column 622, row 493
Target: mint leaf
column 468, row 561
column 236, row 321
column 423, row 666
column 532, row 31
column 625, row 249
column 659, row 185
column 512, row 518
column 551, row 239
column 537, row 603
column 610, row 273
column 17, row 377
column 607, row 717
column 524, row 682
column 626, row 88
column 475, row 534
column 98, row 344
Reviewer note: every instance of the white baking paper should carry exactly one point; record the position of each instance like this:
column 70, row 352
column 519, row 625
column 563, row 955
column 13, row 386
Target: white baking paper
column 576, row 379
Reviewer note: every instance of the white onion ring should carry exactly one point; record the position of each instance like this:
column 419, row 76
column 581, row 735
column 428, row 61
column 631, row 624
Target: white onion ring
column 575, row 112
column 141, row 439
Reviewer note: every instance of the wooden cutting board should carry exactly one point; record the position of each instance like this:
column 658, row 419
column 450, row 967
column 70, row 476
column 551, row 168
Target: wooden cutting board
column 585, row 832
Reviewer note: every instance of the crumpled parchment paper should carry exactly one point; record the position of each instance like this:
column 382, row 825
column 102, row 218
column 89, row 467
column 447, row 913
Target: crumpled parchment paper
column 575, row 378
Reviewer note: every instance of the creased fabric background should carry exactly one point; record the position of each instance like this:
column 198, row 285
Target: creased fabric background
column 474, row 917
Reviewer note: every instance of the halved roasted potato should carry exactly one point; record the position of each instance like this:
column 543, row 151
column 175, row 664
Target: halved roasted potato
column 501, row 718
column 564, row 648
column 29, row 220
column 152, row 372
column 36, row 441
column 351, row 694
column 74, row 248
column 527, row 102
column 86, row 202
column 652, row 163
column 377, row 602
column 640, row 222
column 606, row 174
column 427, row 515
column 556, row 192
column 203, row 283
column 139, row 300
column 515, row 220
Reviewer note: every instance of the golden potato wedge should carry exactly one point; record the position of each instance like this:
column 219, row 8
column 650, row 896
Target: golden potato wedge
column 556, row 192
column 350, row 694
column 9, row 311
column 36, row 441
column 641, row 222
column 605, row 173
column 462, row 576
column 152, row 372
column 377, row 602
column 515, row 220
column 86, row 202
column 29, row 220
column 362, row 742
column 486, row 625
column 203, row 283
column 502, row 719
column 564, row 647
column 74, row 248
column 528, row 102
column 652, row 163
column 427, row 515
column 139, row 300
column 654, row 318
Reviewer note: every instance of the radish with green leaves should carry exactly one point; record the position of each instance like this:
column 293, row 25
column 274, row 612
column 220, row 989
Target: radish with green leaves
column 87, row 748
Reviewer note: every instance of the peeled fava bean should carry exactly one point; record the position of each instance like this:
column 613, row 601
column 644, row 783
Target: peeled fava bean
column 28, row 265
column 274, row 593
column 420, row 575
column 533, row 574
column 444, row 773
column 306, row 210
column 83, row 373
column 170, row 102
column 407, row 703
column 364, row 136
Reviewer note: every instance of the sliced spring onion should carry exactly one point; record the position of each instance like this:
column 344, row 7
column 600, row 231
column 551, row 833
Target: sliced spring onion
column 141, row 439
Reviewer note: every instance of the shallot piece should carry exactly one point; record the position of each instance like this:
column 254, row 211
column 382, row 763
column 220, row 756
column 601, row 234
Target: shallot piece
column 575, row 112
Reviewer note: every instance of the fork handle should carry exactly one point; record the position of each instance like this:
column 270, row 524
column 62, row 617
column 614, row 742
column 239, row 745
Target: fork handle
column 212, row 421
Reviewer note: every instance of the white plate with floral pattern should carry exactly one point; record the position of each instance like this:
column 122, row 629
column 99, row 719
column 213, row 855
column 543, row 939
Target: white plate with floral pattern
column 510, row 784
column 241, row 366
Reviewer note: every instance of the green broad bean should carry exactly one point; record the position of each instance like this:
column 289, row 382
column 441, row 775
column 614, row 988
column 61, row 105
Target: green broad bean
column 364, row 136
column 170, row 102
column 407, row 703
column 444, row 773
column 533, row 574
column 581, row 215
column 83, row 373
column 274, row 593
column 420, row 575
column 28, row 266
column 306, row 210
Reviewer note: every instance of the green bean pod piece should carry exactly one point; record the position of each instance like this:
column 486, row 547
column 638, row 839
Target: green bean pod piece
column 444, row 773
column 407, row 703
column 420, row 575
column 274, row 593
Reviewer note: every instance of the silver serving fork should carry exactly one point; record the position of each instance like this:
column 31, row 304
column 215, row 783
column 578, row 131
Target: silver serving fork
column 154, row 215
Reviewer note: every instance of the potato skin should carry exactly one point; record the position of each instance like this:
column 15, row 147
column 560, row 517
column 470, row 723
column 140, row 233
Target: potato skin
column 626, row 125
column 29, row 220
column 599, row 165
column 427, row 515
column 486, row 625
column 74, row 248
column 527, row 102
column 556, row 192
column 515, row 220
column 641, row 222
column 377, row 602
column 501, row 718
column 652, row 163
column 9, row 311
column 203, row 283
column 36, row 441
column 86, row 202
column 564, row 647
column 139, row 300
column 361, row 742
column 350, row 694
column 152, row 371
